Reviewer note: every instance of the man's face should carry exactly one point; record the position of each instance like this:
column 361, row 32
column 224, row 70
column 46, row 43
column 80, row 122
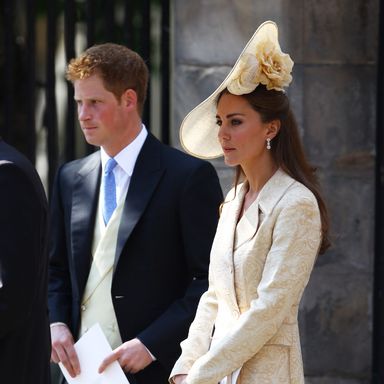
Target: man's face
column 101, row 115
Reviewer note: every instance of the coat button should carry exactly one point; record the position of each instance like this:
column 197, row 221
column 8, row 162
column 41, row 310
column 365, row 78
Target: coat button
column 83, row 307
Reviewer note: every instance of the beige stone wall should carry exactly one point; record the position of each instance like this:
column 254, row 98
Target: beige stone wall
column 334, row 46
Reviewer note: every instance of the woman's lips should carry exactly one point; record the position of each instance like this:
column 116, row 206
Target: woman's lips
column 228, row 150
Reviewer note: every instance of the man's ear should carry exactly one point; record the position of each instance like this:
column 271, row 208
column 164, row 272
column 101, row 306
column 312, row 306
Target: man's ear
column 129, row 98
column 273, row 128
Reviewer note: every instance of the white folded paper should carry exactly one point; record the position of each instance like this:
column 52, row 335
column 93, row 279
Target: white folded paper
column 91, row 350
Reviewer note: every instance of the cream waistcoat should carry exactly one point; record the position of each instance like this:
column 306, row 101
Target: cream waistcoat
column 97, row 306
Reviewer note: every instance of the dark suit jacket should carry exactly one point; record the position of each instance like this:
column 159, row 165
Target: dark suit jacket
column 161, row 263
column 24, row 329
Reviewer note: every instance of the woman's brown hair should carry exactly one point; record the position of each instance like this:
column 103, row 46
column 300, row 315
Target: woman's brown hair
column 286, row 147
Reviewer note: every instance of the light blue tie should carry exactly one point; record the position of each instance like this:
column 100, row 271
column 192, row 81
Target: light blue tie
column 109, row 190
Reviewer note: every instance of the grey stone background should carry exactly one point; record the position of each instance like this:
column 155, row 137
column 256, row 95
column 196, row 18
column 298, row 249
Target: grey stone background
column 334, row 46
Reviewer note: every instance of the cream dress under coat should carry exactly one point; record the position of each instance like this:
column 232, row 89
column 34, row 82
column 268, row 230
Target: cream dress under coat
column 259, row 268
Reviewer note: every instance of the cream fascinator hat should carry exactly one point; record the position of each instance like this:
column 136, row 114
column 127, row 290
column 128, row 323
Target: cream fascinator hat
column 261, row 62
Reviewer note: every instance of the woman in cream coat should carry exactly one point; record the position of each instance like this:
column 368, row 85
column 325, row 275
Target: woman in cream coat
column 272, row 226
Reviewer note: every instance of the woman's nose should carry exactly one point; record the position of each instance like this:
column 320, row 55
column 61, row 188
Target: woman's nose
column 223, row 133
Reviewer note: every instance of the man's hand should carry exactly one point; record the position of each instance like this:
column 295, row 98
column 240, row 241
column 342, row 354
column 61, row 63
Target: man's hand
column 63, row 350
column 179, row 379
column 132, row 356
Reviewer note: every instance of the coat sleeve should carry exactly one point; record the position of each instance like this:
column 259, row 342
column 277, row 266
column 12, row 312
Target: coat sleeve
column 295, row 243
column 59, row 289
column 199, row 211
column 200, row 333
column 22, row 226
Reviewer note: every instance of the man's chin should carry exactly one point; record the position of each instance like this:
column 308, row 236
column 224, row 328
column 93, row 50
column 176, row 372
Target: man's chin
column 91, row 140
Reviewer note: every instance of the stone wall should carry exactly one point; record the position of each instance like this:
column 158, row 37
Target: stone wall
column 334, row 46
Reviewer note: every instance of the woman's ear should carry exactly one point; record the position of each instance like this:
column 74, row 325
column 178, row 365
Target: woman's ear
column 273, row 128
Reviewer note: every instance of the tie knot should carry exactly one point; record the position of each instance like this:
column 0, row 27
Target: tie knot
column 111, row 163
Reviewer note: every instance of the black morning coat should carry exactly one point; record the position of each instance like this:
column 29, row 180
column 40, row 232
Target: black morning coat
column 162, row 256
column 25, row 345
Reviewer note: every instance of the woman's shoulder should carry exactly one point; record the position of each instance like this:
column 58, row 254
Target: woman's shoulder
column 298, row 188
column 298, row 198
column 283, row 191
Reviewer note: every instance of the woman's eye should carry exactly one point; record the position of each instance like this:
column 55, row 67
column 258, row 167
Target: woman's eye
column 235, row 122
column 218, row 122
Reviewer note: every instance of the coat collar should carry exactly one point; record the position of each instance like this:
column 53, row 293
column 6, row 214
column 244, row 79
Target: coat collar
column 273, row 191
column 269, row 196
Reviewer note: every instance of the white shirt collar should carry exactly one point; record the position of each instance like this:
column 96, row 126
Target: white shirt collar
column 127, row 157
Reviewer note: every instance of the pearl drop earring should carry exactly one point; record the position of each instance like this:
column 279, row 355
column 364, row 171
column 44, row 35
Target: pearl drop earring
column 268, row 143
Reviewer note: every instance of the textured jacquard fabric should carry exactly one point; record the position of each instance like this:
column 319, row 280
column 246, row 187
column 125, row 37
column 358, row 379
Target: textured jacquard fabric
column 259, row 268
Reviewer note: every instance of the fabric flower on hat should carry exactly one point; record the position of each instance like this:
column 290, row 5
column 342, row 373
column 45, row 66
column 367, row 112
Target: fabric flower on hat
column 268, row 66
column 245, row 78
column 276, row 66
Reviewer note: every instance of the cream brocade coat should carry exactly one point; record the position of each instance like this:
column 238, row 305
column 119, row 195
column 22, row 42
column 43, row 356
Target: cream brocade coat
column 258, row 271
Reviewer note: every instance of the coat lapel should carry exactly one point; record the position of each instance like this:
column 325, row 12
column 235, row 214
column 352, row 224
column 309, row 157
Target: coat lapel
column 247, row 225
column 268, row 197
column 228, row 221
column 223, row 246
column 84, row 204
column 146, row 175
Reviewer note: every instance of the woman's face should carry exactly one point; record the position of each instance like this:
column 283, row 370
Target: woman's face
column 242, row 134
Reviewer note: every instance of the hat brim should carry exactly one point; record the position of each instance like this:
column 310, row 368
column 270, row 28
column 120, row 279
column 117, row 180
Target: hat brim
column 198, row 131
